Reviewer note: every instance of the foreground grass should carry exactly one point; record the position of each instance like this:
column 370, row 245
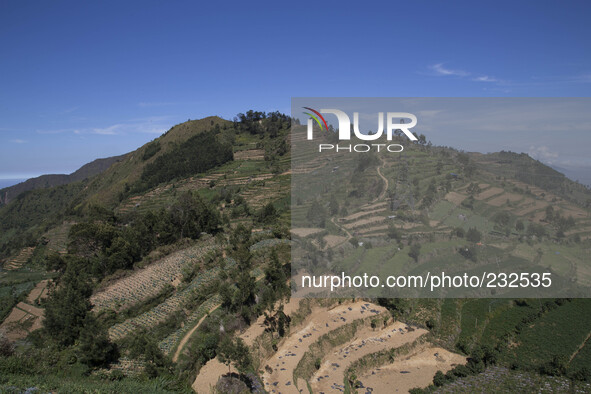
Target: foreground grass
column 10, row 383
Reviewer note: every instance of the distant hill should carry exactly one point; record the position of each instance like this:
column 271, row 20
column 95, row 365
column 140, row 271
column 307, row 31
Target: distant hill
column 576, row 173
column 46, row 181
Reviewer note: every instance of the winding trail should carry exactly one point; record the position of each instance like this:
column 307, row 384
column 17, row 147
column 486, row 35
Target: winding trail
column 188, row 335
column 387, row 184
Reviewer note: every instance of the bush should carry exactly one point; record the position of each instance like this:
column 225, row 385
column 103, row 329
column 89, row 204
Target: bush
column 473, row 235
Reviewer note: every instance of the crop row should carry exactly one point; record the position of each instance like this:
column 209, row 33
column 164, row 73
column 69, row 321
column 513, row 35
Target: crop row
column 160, row 312
column 266, row 243
column 170, row 342
column 149, row 281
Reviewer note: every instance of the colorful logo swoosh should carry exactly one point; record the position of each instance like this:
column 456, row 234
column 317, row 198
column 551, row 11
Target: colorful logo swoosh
column 316, row 118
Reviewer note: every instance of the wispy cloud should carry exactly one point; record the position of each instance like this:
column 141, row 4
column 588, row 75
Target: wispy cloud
column 485, row 78
column 152, row 125
column 543, row 153
column 18, row 141
column 439, row 69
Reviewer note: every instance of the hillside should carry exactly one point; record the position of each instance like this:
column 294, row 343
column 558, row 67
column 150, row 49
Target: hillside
column 47, row 181
column 175, row 263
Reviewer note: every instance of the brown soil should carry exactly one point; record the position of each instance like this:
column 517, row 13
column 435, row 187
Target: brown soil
column 412, row 371
column 320, row 322
column 330, row 377
column 304, row 232
column 488, row 193
column 455, row 198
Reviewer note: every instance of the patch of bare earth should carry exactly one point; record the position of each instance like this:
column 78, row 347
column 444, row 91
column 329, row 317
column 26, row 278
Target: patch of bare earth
column 290, row 352
column 253, row 154
column 455, row 198
column 488, row 193
column 213, row 370
column 334, row 240
column 330, row 377
column 22, row 320
column 415, row 370
column 363, row 222
column 39, row 292
column 304, row 232
column 502, row 199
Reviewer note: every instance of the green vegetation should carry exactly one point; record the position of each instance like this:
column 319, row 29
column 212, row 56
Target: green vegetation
column 217, row 193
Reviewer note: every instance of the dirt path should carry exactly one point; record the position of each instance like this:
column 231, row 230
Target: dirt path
column 349, row 236
column 185, row 339
column 415, row 370
column 387, row 184
column 581, row 346
column 330, row 377
column 321, row 321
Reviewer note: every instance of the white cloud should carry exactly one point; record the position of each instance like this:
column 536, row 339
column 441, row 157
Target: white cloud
column 152, row 125
column 543, row 154
column 485, row 78
column 440, row 70
column 18, row 141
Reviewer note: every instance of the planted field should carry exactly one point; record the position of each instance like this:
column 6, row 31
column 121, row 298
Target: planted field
column 504, row 380
column 170, row 342
column 19, row 260
column 559, row 332
column 149, row 281
column 159, row 313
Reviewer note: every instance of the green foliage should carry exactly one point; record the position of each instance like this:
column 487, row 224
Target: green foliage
column 196, row 155
column 68, row 305
column 110, row 243
column 151, row 149
column 234, row 351
column 95, row 348
column 473, row 235
column 415, row 252
column 267, row 214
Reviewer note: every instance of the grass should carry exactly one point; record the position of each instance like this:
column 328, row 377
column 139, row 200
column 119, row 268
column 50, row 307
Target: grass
column 558, row 332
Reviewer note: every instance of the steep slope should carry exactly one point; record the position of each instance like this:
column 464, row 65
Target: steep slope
column 46, row 181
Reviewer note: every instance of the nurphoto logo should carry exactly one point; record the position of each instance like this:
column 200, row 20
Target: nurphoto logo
column 395, row 123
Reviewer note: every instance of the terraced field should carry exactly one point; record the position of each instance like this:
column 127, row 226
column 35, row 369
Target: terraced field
column 330, row 376
column 410, row 371
column 19, row 260
column 147, row 282
column 278, row 375
column 160, row 312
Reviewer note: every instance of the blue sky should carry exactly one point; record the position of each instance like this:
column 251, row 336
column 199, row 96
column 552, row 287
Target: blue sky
column 82, row 80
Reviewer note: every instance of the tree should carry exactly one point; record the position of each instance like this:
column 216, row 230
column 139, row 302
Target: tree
column 95, row 348
column 234, row 351
column 6, row 347
column 67, row 306
column 473, row 235
column 519, row 225
column 394, row 233
column 267, row 214
column 415, row 251
column 439, row 379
